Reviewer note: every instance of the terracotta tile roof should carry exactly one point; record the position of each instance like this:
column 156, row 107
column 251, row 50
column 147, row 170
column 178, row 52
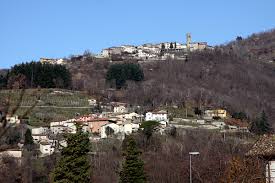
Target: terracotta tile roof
column 264, row 146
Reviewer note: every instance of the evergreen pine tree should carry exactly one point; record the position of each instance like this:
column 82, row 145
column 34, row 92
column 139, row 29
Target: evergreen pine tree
column 162, row 46
column 261, row 125
column 254, row 126
column 28, row 137
column 264, row 125
column 28, row 140
column 132, row 170
column 171, row 45
column 74, row 166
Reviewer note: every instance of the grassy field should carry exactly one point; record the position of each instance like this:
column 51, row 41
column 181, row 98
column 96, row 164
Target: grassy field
column 49, row 104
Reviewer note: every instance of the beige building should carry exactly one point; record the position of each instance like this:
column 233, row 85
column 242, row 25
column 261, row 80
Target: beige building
column 51, row 61
column 112, row 51
column 216, row 113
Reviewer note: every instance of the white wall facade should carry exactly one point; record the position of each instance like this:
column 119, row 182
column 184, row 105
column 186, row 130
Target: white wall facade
column 13, row 120
column 12, row 153
column 40, row 130
column 129, row 49
column 46, row 149
column 92, row 102
column 270, row 170
column 150, row 116
column 105, row 53
column 37, row 138
column 115, row 127
column 120, row 109
column 57, row 129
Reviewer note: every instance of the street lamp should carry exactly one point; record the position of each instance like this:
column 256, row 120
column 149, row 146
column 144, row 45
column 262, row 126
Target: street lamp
column 192, row 154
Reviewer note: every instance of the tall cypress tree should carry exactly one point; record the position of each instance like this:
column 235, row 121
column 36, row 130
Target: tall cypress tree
column 28, row 140
column 28, row 137
column 264, row 125
column 74, row 166
column 132, row 170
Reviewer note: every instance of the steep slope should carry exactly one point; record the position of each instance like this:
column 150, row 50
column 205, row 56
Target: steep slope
column 260, row 47
column 208, row 79
column 231, row 76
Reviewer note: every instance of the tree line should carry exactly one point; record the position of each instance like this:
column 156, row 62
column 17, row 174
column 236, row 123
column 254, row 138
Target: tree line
column 120, row 73
column 36, row 74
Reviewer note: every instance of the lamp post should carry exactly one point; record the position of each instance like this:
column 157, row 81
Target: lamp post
column 190, row 155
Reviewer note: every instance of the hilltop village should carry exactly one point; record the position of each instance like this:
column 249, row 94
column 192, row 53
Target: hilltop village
column 145, row 52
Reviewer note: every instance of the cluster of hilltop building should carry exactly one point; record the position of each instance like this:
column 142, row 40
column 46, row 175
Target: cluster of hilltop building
column 149, row 51
column 156, row 51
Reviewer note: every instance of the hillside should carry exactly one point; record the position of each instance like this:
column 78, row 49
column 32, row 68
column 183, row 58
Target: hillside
column 218, row 78
column 209, row 79
column 49, row 104
column 259, row 47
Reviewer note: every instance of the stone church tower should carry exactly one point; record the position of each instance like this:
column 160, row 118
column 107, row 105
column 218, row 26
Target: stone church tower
column 188, row 40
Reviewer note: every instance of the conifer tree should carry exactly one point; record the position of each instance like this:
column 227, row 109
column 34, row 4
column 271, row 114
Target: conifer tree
column 162, row 46
column 264, row 125
column 28, row 140
column 261, row 125
column 171, row 45
column 74, row 166
column 132, row 170
column 28, row 137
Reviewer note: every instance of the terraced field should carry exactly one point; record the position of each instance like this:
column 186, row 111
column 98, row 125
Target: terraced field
column 46, row 105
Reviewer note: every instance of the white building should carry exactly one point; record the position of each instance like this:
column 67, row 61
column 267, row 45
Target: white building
column 222, row 113
column 40, row 130
column 142, row 54
column 39, row 137
column 112, row 51
column 129, row 128
column 15, row 153
column 57, row 129
column 92, row 102
column 163, row 124
column 130, row 116
column 129, row 48
column 103, row 130
column 13, row 119
column 70, row 127
column 176, row 45
column 120, row 109
column 63, row 127
column 168, row 56
column 200, row 121
column 156, row 116
column 46, row 148
column 51, row 61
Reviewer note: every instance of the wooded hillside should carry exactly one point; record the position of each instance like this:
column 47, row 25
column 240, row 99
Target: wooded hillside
column 235, row 76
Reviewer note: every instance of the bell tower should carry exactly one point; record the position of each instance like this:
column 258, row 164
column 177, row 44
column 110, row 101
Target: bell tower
column 188, row 40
